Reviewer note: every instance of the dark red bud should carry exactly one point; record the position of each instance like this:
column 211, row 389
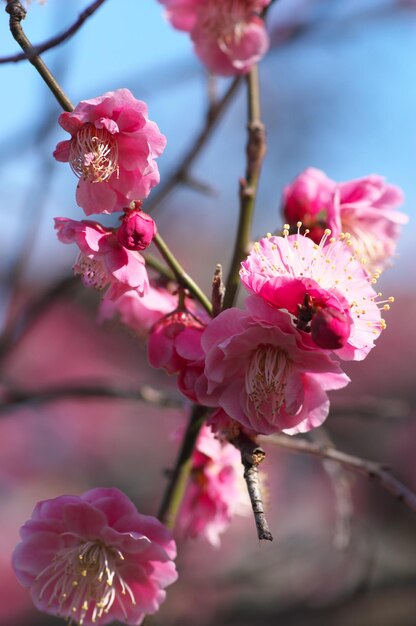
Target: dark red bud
column 137, row 230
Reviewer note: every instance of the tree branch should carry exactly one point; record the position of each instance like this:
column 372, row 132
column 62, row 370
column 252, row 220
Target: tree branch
column 256, row 149
column 18, row 13
column 251, row 457
column 371, row 469
column 14, row 398
column 180, row 174
column 55, row 41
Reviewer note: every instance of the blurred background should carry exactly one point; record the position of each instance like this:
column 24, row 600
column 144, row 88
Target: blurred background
column 338, row 93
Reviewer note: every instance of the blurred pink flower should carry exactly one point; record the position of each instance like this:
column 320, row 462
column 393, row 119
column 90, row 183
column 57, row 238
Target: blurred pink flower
column 137, row 312
column 365, row 208
column 216, row 490
column 94, row 557
column 259, row 371
column 229, row 35
column 103, row 261
column 112, row 150
column 325, row 289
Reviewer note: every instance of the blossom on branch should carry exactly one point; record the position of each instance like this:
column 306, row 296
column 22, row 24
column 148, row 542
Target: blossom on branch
column 261, row 373
column 94, row 558
column 215, row 491
column 325, row 289
column 103, row 261
column 365, row 208
column 112, row 150
column 229, row 35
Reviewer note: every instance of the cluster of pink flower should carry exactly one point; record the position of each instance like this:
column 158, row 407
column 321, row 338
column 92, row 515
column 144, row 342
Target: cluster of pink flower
column 112, row 150
column 263, row 369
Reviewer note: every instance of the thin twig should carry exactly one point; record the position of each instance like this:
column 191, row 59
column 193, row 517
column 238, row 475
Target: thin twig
column 18, row 13
column 379, row 472
column 175, row 490
column 55, row 41
column 251, row 456
column 217, row 291
column 181, row 276
column 14, row 398
column 180, row 174
column 256, row 150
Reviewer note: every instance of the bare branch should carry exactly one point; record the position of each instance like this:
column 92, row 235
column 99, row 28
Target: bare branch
column 14, row 398
column 217, row 291
column 55, row 41
column 180, row 174
column 377, row 471
column 251, row 456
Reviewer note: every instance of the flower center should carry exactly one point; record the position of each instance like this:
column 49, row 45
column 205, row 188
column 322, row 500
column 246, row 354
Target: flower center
column 93, row 154
column 84, row 579
column 266, row 378
column 92, row 272
column 224, row 21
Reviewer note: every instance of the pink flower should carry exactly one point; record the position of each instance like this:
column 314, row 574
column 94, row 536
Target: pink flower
column 229, row 35
column 367, row 211
column 309, row 199
column 175, row 341
column 137, row 312
column 365, row 208
column 258, row 370
column 112, row 150
column 216, row 490
column 325, row 289
column 137, row 230
column 103, row 261
column 94, row 558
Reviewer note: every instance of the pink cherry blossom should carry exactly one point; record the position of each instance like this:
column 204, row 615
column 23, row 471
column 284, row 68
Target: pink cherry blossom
column 112, row 150
column 216, row 490
column 103, row 261
column 175, row 341
column 137, row 229
column 367, row 211
column 229, row 35
column 94, row 558
column 137, row 312
column 309, row 199
column 324, row 287
column 259, row 371
column 365, row 208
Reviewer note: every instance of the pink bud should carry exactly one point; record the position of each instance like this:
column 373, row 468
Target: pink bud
column 175, row 341
column 137, row 230
column 330, row 328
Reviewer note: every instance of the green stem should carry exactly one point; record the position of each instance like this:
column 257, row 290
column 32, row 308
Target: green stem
column 181, row 276
column 177, row 484
column 159, row 267
column 256, row 149
column 18, row 13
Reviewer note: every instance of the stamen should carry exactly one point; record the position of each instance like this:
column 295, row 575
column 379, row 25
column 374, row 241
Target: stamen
column 266, row 378
column 94, row 154
column 86, row 578
column 93, row 275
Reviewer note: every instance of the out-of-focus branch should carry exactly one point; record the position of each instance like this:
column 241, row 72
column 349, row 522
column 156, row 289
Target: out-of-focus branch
column 55, row 41
column 217, row 291
column 180, row 174
column 177, row 484
column 376, row 471
column 18, row 13
column 14, row 398
column 256, row 149
column 251, row 457
column 181, row 276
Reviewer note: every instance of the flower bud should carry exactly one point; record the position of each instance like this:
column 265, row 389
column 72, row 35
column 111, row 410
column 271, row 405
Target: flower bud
column 137, row 230
column 330, row 328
